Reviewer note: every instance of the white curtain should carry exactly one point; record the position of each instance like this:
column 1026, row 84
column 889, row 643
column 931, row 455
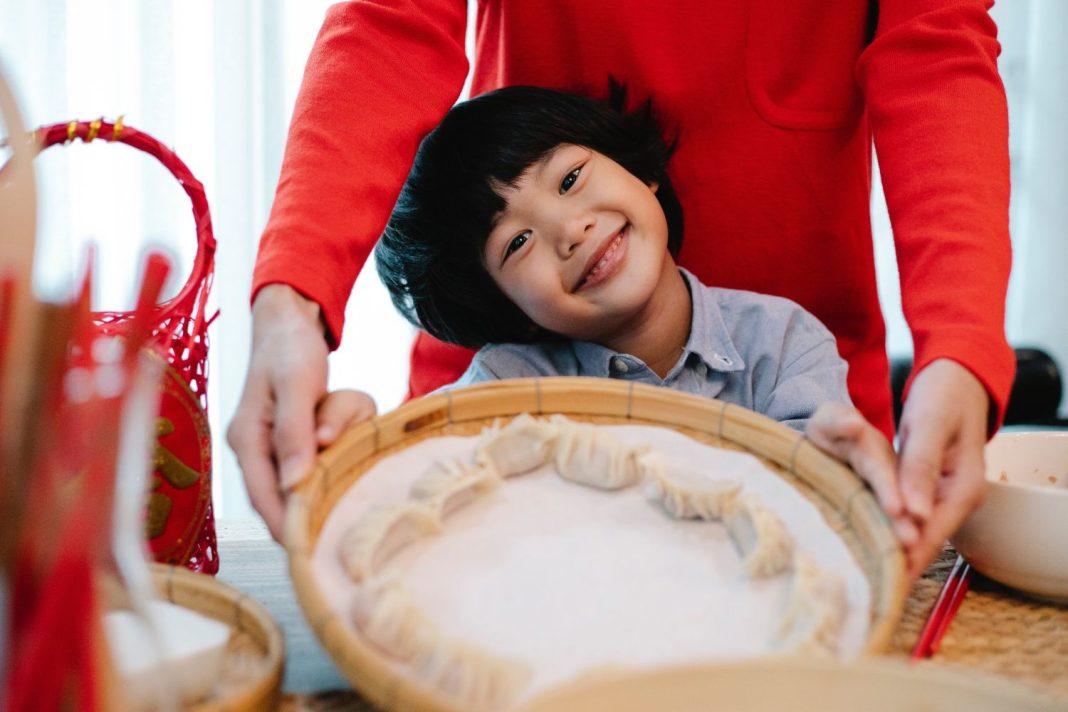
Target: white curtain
column 217, row 81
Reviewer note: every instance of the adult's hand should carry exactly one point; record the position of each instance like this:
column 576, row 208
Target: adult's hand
column 273, row 430
column 844, row 433
column 940, row 464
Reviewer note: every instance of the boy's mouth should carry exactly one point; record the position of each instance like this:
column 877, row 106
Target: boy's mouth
column 604, row 262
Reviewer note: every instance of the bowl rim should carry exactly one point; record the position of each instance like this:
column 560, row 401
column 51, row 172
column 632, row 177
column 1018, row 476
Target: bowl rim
column 1047, row 490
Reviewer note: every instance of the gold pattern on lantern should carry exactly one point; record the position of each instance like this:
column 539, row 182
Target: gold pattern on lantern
column 174, row 471
column 167, row 464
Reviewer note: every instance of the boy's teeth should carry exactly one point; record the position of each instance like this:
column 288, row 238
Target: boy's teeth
column 611, row 248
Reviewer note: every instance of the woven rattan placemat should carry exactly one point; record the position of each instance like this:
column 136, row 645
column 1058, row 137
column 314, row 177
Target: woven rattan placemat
column 996, row 630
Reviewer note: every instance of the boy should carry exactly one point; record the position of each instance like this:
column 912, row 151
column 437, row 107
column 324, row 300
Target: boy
column 543, row 227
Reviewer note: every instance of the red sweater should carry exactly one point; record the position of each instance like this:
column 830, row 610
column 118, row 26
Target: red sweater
column 775, row 105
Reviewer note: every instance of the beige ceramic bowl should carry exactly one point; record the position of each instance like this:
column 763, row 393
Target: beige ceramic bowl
column 1019, row 536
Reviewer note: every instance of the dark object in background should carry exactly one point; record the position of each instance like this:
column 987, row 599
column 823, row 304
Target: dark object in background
column 1036, row 391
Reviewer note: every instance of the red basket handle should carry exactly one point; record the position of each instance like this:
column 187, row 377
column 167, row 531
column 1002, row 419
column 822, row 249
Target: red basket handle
column 88, row 131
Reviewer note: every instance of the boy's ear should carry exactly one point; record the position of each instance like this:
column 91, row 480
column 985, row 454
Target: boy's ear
column 654, row 186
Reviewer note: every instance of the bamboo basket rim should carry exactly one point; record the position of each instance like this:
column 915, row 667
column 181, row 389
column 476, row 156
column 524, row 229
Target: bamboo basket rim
column 243, row 613
column 374, row 674
column 939, row 686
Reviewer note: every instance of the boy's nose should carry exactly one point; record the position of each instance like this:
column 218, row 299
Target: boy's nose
column 574, row 231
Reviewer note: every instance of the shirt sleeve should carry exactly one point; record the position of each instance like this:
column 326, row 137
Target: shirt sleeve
column 380, row 76
column 811, row 374
column 939, row 118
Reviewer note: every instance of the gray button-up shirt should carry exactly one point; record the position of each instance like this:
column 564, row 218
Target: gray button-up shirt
column 761, row 352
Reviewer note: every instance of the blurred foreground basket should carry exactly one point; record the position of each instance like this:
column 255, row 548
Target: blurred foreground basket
column 251, row 675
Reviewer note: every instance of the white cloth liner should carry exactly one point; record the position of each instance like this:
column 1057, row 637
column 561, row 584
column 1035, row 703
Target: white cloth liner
column 570, row 579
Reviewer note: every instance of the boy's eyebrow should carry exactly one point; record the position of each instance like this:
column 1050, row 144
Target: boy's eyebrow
column 541, row 165
column 545, row 160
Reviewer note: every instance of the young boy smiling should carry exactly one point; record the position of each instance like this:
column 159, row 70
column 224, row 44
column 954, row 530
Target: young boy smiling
column 543, row 228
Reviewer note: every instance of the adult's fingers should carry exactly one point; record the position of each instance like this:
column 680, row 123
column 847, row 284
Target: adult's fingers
column 843, row 432
column 946, row 410
column 294, row 426
column 249, row 436
column 340, row 409
column 923, row 445
column 943, row 431
column 960, row 491
column 271, row 433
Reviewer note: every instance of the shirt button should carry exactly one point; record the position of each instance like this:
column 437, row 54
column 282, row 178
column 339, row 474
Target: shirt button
column 619, row 365
column 702, row 369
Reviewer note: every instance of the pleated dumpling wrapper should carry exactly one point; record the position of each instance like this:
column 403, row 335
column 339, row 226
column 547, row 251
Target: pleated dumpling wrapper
column 766, row 546
column 815, row 610
column 687, row 493
column 476, row 679
column 450, row 484
column 589, row 455
column 384, row 611
column 524, row 444
column 381, row 532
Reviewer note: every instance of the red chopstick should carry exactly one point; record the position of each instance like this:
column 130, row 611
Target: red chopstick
column 943, row 610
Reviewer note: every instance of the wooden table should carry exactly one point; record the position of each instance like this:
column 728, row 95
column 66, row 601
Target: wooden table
column 997, row 630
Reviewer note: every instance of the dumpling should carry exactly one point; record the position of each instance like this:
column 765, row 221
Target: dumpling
column 815, row 610
column 386, row 614
column 521, row 446
column 381, row 532
column 687, row 493
column 449, row 485
column 762, row 539
column 475, row 679
column 590, row 456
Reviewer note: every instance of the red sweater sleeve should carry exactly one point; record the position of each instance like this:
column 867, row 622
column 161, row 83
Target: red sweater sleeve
column 946, row 178
column 381, row 75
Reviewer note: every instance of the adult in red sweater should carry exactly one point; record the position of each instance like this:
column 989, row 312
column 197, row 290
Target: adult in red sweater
column 775, row 105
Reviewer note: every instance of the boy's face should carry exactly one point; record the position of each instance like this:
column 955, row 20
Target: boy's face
column 581, row 246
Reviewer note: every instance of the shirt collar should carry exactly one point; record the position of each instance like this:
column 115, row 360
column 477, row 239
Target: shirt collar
column 709, row 339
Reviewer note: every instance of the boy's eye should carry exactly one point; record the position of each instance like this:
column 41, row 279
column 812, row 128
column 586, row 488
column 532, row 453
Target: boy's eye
column 569, row 180
column 517, row 242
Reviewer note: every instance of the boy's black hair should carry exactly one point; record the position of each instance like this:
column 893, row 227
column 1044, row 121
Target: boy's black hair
column 430, row 255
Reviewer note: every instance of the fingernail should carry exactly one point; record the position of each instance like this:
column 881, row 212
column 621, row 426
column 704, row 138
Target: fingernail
column 906, row 531
column 921, row 509
column 917, row 505
column 324, row 432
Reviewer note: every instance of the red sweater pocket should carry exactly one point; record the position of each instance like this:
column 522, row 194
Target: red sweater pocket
column 800, row 59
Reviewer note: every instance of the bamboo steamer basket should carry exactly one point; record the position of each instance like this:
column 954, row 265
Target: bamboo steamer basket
column 838, row 493
column 251, row 677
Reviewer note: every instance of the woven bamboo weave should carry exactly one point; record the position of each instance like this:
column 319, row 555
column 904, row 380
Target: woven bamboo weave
column 997, row 631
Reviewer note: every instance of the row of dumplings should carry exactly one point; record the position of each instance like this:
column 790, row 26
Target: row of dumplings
column 583, row 453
